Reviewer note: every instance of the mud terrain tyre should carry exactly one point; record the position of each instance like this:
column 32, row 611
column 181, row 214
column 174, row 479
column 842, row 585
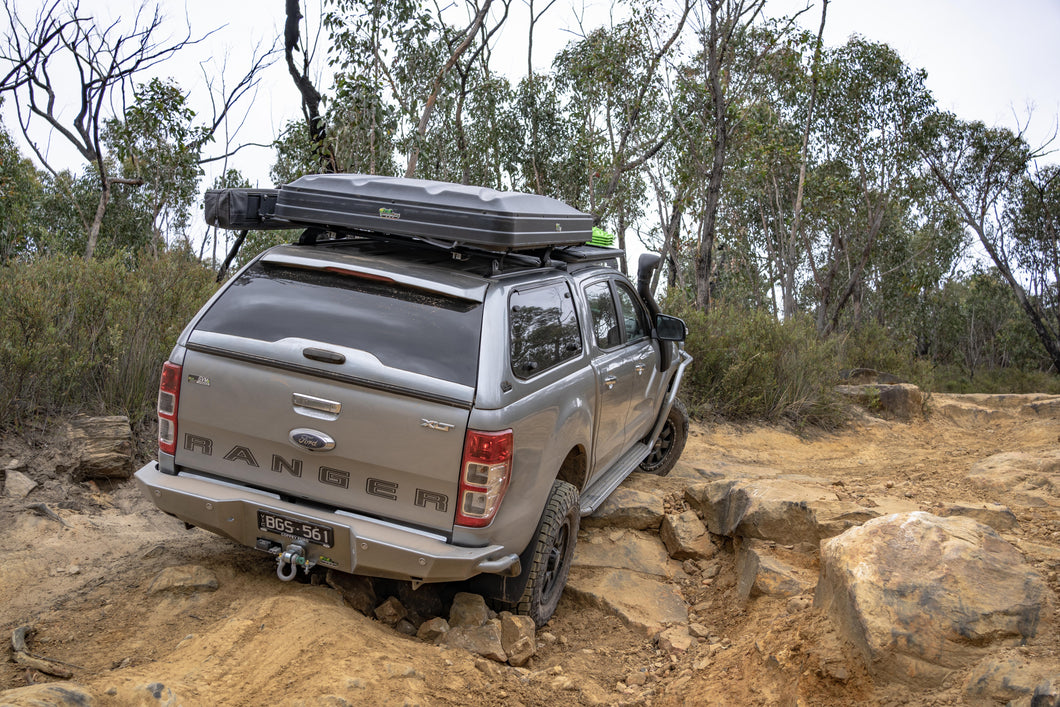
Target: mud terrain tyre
column 554, row 543
column 667, row 449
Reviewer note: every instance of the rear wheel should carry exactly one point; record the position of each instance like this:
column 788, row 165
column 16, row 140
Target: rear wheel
column 556, row 536
column 671, row 442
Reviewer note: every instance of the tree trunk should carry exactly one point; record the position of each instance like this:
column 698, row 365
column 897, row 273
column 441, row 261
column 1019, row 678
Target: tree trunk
column 97, row 220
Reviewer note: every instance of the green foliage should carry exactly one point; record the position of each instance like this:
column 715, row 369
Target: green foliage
column 748, row 365
column 90, row 335
column 157, row 144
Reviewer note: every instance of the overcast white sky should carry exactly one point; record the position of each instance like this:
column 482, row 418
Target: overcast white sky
column 993, row 61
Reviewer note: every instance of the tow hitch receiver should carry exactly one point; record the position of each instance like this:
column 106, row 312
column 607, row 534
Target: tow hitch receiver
column 293, row 557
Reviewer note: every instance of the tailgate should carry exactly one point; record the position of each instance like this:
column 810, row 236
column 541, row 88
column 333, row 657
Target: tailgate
column 336, row 382
column 396, row 451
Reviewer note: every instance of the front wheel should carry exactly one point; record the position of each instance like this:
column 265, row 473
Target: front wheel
column 671, row 442
column 554, row 543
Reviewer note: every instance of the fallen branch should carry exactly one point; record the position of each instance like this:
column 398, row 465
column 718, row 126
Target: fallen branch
column 36, row 662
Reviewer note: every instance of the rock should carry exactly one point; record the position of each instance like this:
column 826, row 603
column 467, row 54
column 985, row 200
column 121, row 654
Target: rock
column 627, row 508
column 635, row 550
column 17, row 484
column 998, row 517
column 644, row 603
column 51, row 694
column 356, row 591
column 799, row 603
column 997, row 680
column 433, row 629
column 482, row 640
column 685, row 537
column 518, row 638
column 784, row 510
column 406, row 627
column 186, row 579
column 674, row 640
column 761, row 573
column 920, row 595
column 102, row 447
column 155, row 693
column 637, row 678
column 698, row 630
column 390, row 611
column 897, row 401
column 468, row 611
column 1022, row 478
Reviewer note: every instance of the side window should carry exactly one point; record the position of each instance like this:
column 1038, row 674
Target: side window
column 632, row 314
column 544, row 329
column 606, row 331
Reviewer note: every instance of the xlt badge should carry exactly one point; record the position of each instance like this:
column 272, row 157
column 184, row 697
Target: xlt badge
column 312, row 440
column 435, row 425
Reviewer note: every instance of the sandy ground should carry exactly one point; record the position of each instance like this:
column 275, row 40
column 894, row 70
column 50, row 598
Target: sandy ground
column 82, row 582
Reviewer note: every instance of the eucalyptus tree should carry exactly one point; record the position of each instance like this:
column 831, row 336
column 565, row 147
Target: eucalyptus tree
column 873, row 111
column 612, row 83
column 160, row 147
column 72, row 72
column 408, row 54
column 979, row 169
column 713, row 117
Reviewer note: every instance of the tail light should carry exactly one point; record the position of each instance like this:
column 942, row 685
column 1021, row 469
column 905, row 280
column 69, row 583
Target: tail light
column 168, row 397
column 484, row 474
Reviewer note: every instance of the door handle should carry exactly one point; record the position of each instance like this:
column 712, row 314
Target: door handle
column 610, row 382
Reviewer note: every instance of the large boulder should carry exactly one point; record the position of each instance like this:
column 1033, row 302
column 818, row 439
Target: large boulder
column 920, row 595
column 898, row 401
column 784, row 510
column 52, row 694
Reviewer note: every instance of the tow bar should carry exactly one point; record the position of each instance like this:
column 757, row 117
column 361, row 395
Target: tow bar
column 294, row 557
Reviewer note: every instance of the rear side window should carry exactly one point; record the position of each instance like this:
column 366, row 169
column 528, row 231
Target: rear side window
column 544, row 329
column 409, row 329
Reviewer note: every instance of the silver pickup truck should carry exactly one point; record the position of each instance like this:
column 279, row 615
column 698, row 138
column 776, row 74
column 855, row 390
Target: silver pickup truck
column 433, row 384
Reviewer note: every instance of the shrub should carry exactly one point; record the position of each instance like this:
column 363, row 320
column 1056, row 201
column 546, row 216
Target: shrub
column 748, row 365
column 90, row 335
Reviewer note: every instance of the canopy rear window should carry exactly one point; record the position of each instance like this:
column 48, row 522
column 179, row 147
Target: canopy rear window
column 405, row 328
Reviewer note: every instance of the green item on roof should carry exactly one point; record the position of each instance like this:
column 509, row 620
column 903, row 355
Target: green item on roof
column 602, row 238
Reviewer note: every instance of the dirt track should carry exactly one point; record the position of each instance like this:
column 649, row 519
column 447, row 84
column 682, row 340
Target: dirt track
column 83, row 584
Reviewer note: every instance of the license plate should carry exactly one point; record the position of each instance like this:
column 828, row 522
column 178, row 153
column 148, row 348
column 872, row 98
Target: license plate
column 298, row 529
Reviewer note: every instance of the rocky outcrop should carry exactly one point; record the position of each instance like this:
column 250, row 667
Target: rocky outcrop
column 55, row 694
column 1020, row 478
column 920, row 595
column 788, row 510
column 897, row 401
column 998, row 517
column 627, row 508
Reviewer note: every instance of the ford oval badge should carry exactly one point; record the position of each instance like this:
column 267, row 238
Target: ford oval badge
column 311, row 440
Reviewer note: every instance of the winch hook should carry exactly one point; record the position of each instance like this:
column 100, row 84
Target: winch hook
column 293, row 557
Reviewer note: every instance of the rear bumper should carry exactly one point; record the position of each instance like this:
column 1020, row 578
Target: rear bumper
column 361, row 545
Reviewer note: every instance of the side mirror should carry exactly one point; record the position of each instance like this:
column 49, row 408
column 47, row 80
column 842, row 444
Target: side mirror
column 669, row 328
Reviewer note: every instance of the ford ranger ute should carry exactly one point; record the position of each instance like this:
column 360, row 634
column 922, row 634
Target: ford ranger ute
column 433, row 384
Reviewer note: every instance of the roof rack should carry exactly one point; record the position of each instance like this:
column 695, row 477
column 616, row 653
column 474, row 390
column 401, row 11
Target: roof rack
column 412, row 208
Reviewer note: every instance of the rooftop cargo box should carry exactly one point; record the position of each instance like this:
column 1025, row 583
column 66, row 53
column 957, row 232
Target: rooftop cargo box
column 477, row 216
